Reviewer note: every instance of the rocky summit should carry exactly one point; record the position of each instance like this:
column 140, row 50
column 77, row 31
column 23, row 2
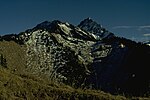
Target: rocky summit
column 85, row 56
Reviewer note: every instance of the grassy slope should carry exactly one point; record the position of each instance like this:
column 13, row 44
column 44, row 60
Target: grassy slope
column 14, row 54
column 23, row 86
column 16, row 83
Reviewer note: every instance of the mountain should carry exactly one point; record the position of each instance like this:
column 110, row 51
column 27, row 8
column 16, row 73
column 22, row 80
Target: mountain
column 85, row 56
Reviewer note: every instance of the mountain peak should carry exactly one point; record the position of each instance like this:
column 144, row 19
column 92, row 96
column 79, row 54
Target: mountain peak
column 87, row 56
column 90, row 25
column 47, row 24
column 88, row 20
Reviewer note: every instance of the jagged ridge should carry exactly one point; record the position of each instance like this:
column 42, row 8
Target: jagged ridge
column 85, row 56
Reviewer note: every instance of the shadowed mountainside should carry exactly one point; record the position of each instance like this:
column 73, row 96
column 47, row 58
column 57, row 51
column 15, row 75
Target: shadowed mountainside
column 86, row 56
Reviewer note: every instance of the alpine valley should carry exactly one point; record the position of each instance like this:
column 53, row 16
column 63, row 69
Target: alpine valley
column 58, row 60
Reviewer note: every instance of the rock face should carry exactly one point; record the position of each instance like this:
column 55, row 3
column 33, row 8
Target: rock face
column 62, row 53
column 85, row 56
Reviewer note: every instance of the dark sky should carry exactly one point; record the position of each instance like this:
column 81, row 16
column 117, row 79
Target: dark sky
column 128, row 18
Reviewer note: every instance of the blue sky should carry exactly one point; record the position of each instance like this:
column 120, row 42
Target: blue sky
column 127, row 18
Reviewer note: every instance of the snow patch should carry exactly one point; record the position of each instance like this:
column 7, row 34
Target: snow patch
column 65, row 29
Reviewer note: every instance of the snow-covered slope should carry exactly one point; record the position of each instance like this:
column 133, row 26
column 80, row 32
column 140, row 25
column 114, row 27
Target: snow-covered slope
column 85, row 56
